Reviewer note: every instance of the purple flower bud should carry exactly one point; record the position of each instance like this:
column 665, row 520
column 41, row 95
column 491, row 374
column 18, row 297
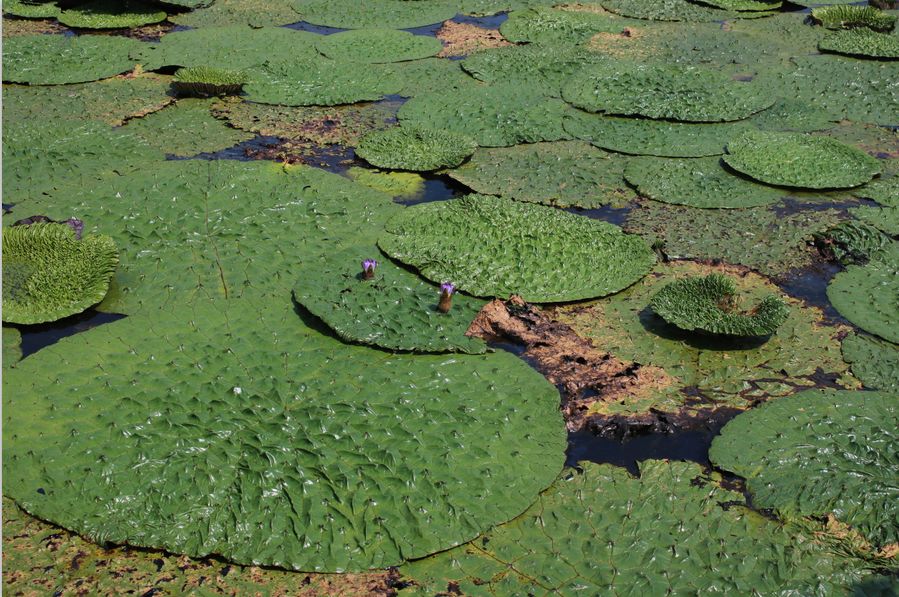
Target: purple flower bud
column 368, row 269
column 446, row 297
column 76, row 225
column 447, row 288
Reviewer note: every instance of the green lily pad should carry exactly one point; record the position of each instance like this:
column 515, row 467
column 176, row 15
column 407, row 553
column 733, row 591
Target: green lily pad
column 603, row 532
column 31, row 10
column 685, row 93
column 788, row 114
column 868, row 295
column 49, row 274
column 12, row 347
column 744, row 4
column 820, row 452
column 885, row 219
column 186, row 128
column 377, row 46
column 235, row 47
column 883, row 190
column 320, row 82
column 495, row 115
column 696, row 182
column 351, row 458
column 255, row 13
column 495, row 247
column 673, row 10
column 111, row 14
column 561, row 174
column 854, row 242
column 205, row 81
column 395, row 309
column 757, row 237
column 415, row 148
column 874, row 361
column 800, row 160
column 709, row 304
column 861, row 42
column 374, row 14
column 60, row 59
column 544, row 25
column 432, row 75
column 399, row 185
column 844, row 16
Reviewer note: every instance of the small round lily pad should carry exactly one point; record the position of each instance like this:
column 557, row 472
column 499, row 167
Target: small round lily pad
column 61, row 59
column 495, row 247
column 874, row 361
column 684, row 93
column 111, row 14
column 868, row 295
column 49, row 274
column 846, row 16
column 709, row 304
column 800, row 160
column 205, row 81
column 862, row 43
column 377, row 46
column 700, row 182
column 415, row 148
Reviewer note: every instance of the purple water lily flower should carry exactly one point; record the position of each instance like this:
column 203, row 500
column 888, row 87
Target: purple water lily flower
column 368, row 269
column 446, row 297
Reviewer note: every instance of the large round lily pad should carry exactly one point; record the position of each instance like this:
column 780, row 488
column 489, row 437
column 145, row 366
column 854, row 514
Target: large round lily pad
column 868, row 295
column 111, row 14
column 699, row 182
column 709, row 304
column 800, row 160
column 395, row 309
column 874, row 361
column 673, row 10
column 495, row 247
column 495, row 115
column 415, row 148
column 255, row 13
column 59, row 59
column 30, row 10
column 321, row 82
column 553, row 27
column 601, row 531
column 49, row 274
column 820, row 452
column 377, row 46
column 236, row 430
column 861, row 42
column 375, row 14
column 561, row 174
column 685, row 93
column 743, row 4
column 847, row 16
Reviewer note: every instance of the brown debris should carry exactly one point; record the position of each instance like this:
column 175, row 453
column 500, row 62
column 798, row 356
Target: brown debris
column 584, row 374
column 462, row 39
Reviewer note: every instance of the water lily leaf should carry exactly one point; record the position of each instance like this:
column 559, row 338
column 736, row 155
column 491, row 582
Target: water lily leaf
column 562, row 174
column 846, row 16
column 374, row 14
column 377, row 46
column 495, row 247
column 684, row 93
column 874, row 361
column 804, row 456
column 49, row 274
column 757, row 237
column 432, row 75
column 352, row 458
column 255, row 13
column 320, row 82
column 885, row 219
column 800, row 160
column 415, row 148
column 481, row 8
column 234, row 47
column 395, row 309
column 31, row 10
column 111, row 14
column 399, row 185
column 883, row 190
column 12, row 347
column 495, row 115
column 697, row 183
column 186, row 128
column 206, row 81
column 60, row 59
column 549, row 26
column 589, row 532
column 868, row 295
column 743, row 4
column 709, row 304
column 861, row 42
column 674, row 10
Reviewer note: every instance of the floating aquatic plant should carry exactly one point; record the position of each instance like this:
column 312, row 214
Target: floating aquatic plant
column 844, row 16
column 61, row 59
column 446, row 297
column 111, row 14
column 368, row 268
column 411, row 147
column 49, row 272
column 207, row 81
column 709, row 304
column 377, row 46
column 862, row 43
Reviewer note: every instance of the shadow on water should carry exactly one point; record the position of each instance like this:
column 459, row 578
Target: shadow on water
column 606, row 213
column 657, row 326
column 320, row 29
column 437, row 187
column 41, row 335
column 809, row 284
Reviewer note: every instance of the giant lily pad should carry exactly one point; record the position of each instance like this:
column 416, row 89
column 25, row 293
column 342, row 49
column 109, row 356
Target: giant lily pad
column 255, row 13
column 874, row 361
column 12, row 346
column 744, row 4
column 868, row 295
column 562, row 174
column 495, row 115
column 861, row 42
column 820, row 452
column 282, row 447
column 884, row 191
column 685, row 93
column 59, row 59
column 885, row 219
column 111, row 14
column 696, row 182
column 673, row 10
column 395, row 309
column 799, row 160
column 603, row 532
column 549, row 26
column 415, row 148
column 846, row 16
column 490, row 246
column 377, row 46
column 31, row 10
column 320, row 82
column 374, row 14
column 49, row 274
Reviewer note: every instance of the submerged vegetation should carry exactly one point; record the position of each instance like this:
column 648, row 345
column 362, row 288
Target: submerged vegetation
column 324, row 329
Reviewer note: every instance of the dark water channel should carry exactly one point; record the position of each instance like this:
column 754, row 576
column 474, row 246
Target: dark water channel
column 38, row 336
